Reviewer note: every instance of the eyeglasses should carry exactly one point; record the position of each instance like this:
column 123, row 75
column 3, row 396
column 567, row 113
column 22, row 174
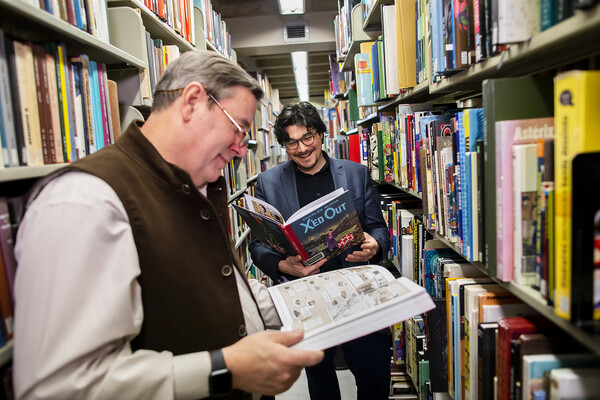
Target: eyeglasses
column 239, row 129
column 245, row 134
column 307, row 140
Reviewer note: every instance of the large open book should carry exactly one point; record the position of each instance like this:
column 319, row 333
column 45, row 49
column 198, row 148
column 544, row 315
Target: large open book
column 323, row 228
column 338, row 306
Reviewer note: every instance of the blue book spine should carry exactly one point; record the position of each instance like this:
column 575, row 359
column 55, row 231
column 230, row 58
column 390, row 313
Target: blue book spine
column 468, row 251
column 462, row 150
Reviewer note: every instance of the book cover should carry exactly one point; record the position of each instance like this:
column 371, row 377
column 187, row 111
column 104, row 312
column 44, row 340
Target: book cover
column 524, row 212
column 322, row 229
column 437, row 351
column 585, row 298
column 390, row 44
column 364, row 85
column 28, row 103
column 486, row 359
column 406, row 34
column 510, row 329
column 471, row 323
column 509, row 133
column 9, row 134
column 338, row 306
column 577, row 99
column 505, row 99
column 537, row 367
column 574, row 383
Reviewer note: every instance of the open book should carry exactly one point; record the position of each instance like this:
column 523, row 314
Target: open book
column 321, row 229
column 338, row 306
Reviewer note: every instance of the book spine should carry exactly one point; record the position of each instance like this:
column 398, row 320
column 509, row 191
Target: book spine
column 291, row 236
column 576, row 102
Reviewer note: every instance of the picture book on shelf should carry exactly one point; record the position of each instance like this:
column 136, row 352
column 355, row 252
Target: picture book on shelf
column 321, row 229
column 338, row 306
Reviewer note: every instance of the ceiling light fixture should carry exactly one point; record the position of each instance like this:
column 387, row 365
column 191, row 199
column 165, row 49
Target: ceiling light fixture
column 291, row 6
column 300, row 66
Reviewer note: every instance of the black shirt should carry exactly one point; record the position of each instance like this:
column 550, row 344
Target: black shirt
column 310, row 188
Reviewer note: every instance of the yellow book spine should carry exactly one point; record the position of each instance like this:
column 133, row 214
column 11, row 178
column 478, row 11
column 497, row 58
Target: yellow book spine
column 63, row 94
column 576, row 104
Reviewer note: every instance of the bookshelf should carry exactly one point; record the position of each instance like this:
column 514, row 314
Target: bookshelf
column 22, row 21
column 569, row 44
column 156, row 27
column 358, row 36
column 372, row 21
column 125, row 57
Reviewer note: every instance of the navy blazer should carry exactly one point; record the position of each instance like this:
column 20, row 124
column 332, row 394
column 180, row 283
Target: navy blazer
column 277, row 186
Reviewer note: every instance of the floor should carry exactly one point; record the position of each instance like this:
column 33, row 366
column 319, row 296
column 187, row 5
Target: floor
column 299, row 391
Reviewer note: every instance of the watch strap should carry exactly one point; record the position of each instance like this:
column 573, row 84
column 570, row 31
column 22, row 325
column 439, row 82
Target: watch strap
column 217, row 360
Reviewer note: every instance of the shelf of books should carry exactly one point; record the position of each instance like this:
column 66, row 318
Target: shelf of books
column 484, row 157
column 157, row 26
column 372, row 14
column 30, row 23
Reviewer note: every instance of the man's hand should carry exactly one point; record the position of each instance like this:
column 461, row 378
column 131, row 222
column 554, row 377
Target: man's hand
column 369, row 247
column 263, row 363
column 293, row 266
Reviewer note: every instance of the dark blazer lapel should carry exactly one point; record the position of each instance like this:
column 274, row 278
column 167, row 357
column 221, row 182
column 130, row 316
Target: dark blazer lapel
column 288, row 185
column 339, row 175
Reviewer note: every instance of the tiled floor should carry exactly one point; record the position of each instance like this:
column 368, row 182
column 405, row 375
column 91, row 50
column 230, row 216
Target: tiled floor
column 299, row 391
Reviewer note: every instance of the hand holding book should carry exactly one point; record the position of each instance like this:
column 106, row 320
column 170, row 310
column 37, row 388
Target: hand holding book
column 294, row 266
column 369, row 249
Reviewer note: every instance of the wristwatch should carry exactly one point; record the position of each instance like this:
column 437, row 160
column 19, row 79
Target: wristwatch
column 219, row 380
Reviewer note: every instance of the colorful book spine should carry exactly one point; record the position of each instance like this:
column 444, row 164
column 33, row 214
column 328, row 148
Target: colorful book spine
column 577, row 100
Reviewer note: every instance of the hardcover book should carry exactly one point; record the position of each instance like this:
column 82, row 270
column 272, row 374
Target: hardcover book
column 321, row 229
column 338, row 306
column 577, row 100
column 537, row 367
column 505, row 99
column 508, row 134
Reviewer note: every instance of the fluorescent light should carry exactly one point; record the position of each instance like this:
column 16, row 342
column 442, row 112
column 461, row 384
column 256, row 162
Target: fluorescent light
column 291, row 6
column 300, row 65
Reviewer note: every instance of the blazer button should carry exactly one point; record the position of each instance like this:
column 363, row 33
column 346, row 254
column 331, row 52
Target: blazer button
column 226, row 270
column 242, row 331
column 205, row 214
column 185, row 188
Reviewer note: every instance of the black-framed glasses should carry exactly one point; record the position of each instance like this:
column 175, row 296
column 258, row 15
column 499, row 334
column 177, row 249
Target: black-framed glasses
column 245, row 133
column 307, row 140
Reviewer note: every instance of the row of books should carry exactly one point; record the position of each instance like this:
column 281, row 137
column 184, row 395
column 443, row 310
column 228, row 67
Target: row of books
column 481, row 342
column 497, row 200
column 215, row 27
column 343, row 27
column 442, row 37
column 87, row 15
column 159, row 56
column 55, row 108
column 177, row 14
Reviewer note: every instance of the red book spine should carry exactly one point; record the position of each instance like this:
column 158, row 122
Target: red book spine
column 508, row 329
column 291, row 236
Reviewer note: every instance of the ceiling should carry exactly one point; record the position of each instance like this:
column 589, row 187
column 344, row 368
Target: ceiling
column 249, row 21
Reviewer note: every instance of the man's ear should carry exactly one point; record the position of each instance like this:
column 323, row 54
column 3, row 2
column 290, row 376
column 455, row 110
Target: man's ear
column 192, row 97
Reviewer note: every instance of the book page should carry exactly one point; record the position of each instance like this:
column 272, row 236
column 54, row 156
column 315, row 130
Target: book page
column 263, row 208
column 322, row 301
column 315, row 204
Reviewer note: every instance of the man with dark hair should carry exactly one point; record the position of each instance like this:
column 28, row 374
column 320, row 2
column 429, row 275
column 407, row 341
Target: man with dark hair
column 308, row 175
column 127, row 284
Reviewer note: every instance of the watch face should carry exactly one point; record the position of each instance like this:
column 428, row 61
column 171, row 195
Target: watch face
column 220, row 382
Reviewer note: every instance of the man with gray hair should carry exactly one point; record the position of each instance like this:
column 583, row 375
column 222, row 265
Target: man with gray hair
column 127, row 284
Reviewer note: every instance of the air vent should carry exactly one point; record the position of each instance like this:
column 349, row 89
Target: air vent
column 295, row 32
